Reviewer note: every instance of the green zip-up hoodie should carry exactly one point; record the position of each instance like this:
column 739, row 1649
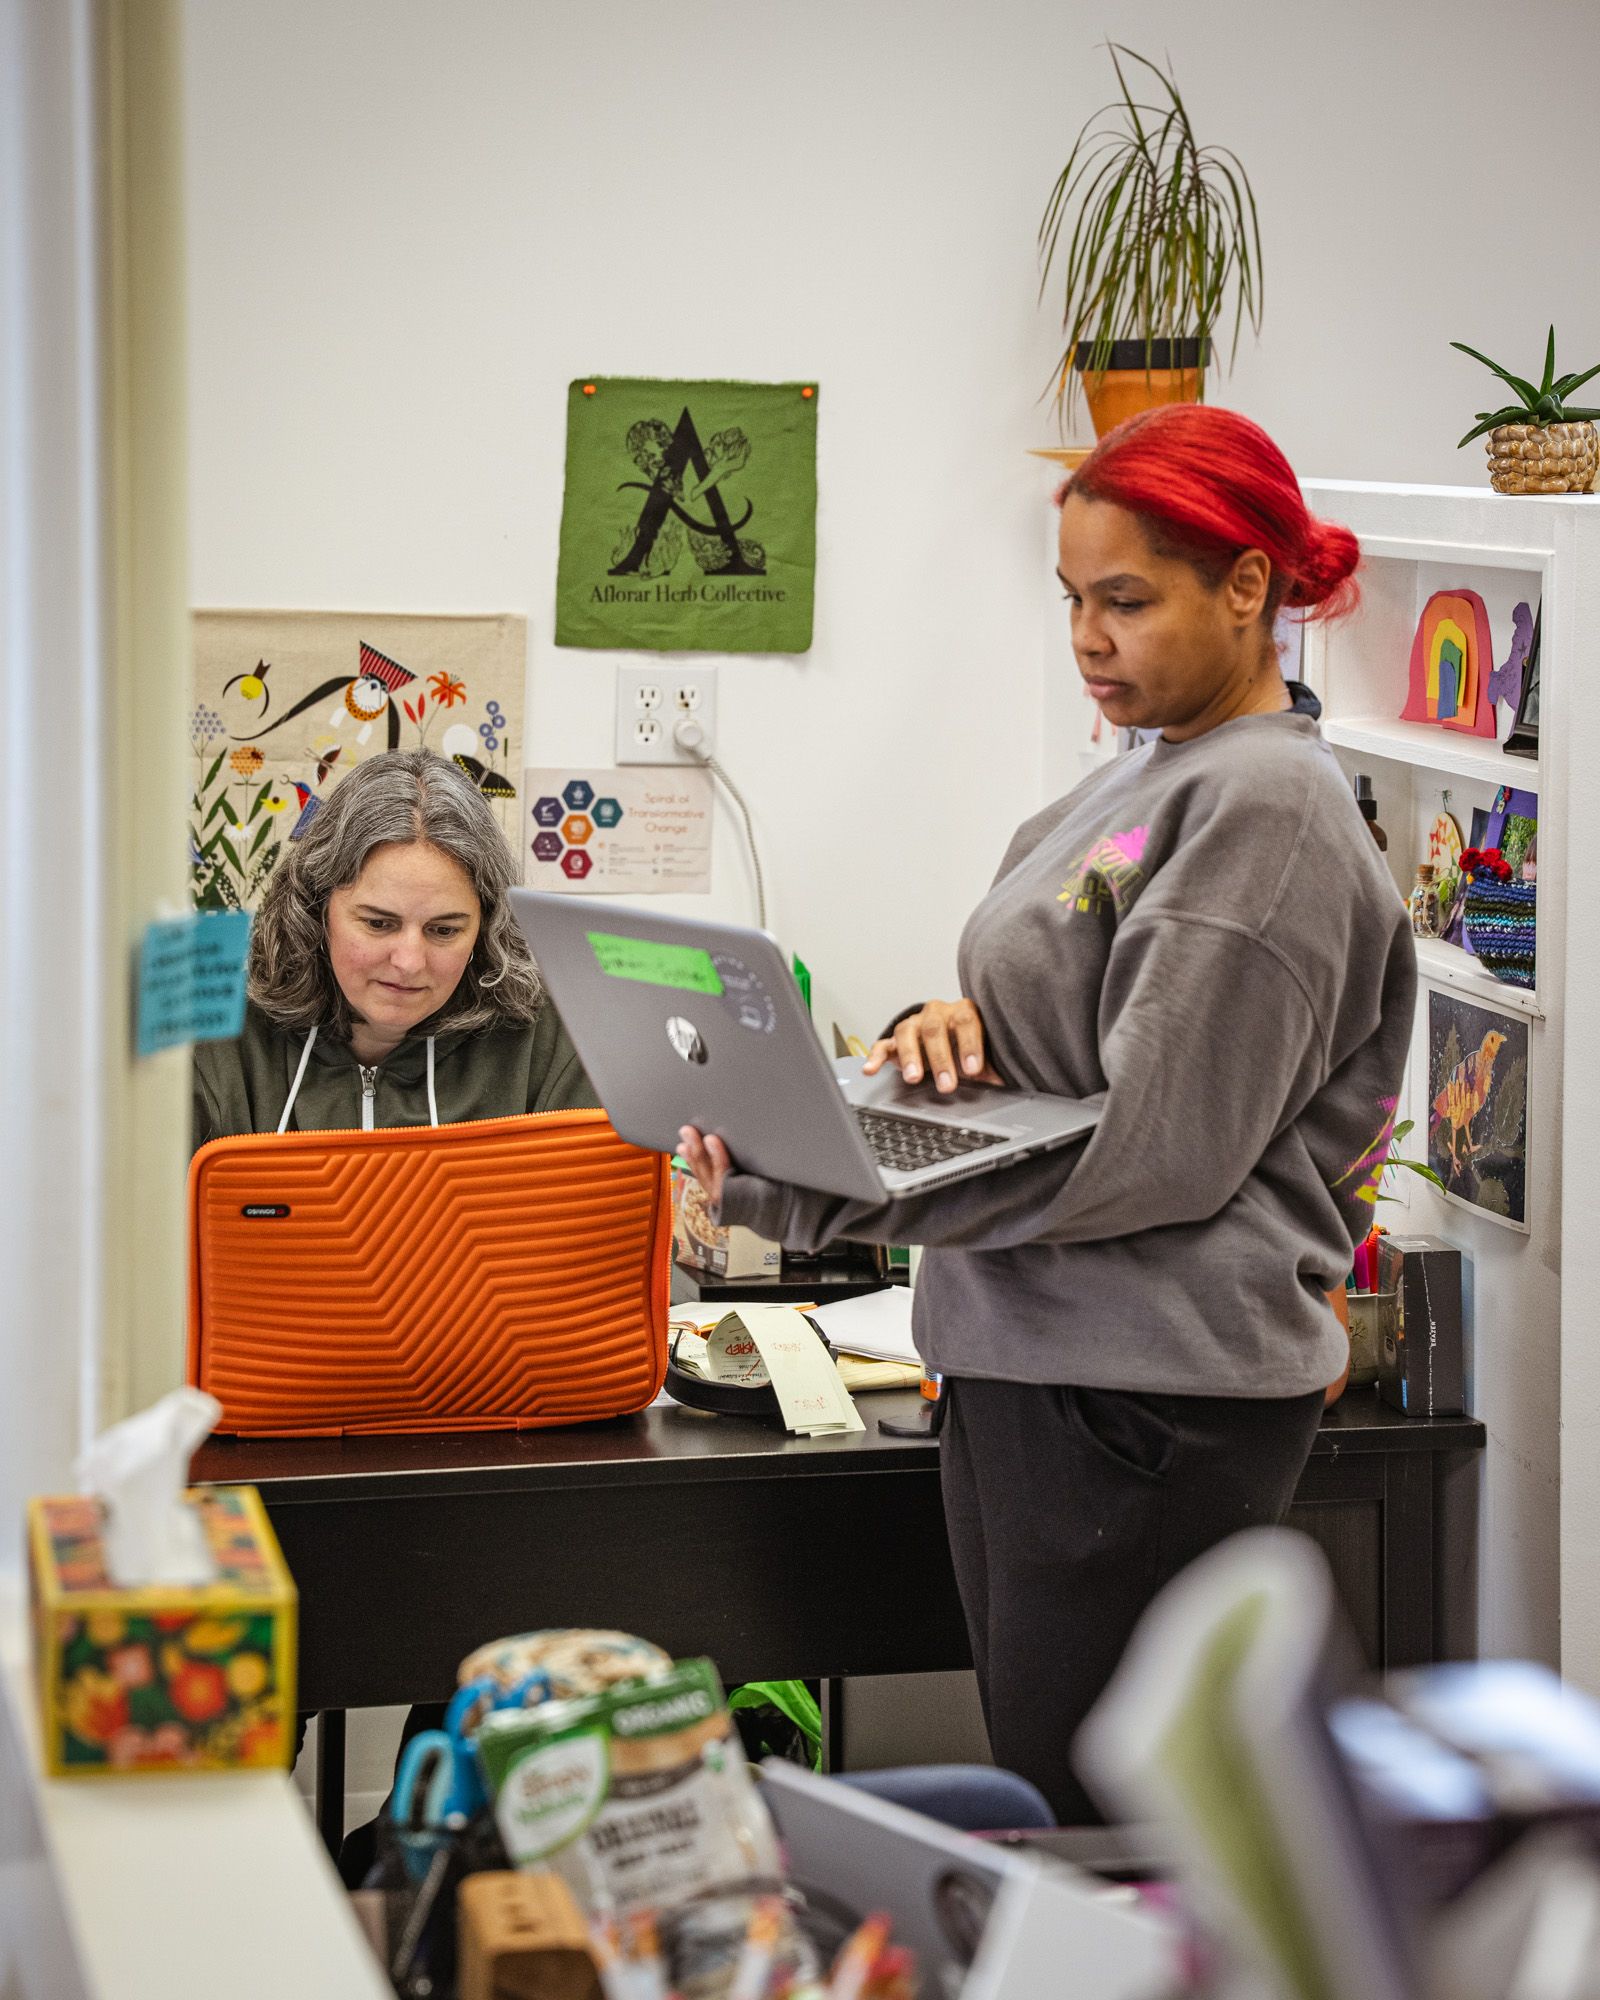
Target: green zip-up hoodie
column 243, row 1085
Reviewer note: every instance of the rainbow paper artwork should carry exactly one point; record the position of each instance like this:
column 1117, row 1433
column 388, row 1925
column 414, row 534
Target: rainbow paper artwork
column 1452, row 657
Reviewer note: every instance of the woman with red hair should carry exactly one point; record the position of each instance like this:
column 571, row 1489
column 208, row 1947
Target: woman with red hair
column 1135, row 1333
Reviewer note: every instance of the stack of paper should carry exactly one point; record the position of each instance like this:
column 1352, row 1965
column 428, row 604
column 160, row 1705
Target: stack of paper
column 811, row 1394
column 859, row 1374
column 761, row 1344
column 1214, row 1730
column 876, row 1324
column 703, row 1314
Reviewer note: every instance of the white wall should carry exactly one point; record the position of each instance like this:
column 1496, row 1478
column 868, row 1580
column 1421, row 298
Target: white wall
column 410, row 227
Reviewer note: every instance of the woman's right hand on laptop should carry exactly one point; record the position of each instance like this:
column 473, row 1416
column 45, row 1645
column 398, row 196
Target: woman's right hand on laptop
column 944, row 1040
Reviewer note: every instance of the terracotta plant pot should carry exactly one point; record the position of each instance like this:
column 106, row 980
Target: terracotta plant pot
column 1547, row 458
column 1138, row 378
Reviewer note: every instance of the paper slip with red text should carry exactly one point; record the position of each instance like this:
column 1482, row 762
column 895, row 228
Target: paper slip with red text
column 729, row 1354
column 804, row 1376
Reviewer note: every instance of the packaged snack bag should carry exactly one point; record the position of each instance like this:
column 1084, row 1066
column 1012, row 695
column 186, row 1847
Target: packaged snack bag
column 564, row 1662
column 639, row 1796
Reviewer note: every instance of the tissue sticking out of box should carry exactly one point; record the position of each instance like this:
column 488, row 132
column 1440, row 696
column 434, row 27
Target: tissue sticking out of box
column 139, row 1469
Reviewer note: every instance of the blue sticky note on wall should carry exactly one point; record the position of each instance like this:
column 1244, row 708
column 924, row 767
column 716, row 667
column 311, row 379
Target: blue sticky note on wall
column 191, row 979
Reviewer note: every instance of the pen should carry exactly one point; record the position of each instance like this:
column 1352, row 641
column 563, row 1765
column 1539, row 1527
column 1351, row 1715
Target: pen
column 605, row 1947
column 894, row 1975
column 855, row 1962
column 753, row 1967
column 647, row 1973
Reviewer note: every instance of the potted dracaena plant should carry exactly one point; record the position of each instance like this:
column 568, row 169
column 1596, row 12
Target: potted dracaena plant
column 1540, row 443
column 1163, row 237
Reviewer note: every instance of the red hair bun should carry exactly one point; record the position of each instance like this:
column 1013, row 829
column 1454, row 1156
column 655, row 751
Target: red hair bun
column 1208, row 483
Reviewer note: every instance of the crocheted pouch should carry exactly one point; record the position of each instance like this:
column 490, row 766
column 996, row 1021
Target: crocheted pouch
column 1500, row 926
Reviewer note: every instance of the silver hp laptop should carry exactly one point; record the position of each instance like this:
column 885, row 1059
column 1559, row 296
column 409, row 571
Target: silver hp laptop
column 682, row 1021
column 986, row 1922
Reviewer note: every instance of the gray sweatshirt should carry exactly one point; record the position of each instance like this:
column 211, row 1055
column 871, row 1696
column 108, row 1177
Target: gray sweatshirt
column 1205, row 932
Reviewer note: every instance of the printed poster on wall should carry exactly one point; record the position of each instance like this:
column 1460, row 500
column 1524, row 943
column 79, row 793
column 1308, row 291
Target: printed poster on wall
column 286, row 703
column 1478, row 1106
column 642, row 830
column 689, row 522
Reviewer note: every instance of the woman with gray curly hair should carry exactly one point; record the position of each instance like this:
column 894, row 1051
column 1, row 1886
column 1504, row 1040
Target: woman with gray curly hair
column 389, row 983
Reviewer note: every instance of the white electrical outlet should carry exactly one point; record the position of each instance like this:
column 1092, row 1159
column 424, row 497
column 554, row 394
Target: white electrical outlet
column 652, row 701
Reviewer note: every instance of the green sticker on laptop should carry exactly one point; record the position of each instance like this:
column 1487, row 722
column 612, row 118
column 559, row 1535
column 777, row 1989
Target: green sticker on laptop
column 681, row 965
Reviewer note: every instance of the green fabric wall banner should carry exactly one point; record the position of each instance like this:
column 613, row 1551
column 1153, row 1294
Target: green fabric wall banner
column 690, row 516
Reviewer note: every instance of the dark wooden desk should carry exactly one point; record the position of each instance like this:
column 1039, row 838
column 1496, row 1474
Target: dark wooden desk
column 777, row 1556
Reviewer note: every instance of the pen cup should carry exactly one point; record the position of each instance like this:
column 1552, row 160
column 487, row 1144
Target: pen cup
column 1371, row 1313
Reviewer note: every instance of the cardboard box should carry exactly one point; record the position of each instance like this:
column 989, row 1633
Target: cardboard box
column 726, row 1251
column 167, row 1677
column 1421, row 1366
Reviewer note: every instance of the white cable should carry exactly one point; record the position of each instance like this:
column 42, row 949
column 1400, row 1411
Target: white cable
column 721, row 775
column 690, row 736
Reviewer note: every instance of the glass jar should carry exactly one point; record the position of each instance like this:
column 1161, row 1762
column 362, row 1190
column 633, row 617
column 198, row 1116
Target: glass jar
column 1423, row 902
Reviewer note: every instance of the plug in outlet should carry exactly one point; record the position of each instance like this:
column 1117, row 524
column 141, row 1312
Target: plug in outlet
column 650, row 705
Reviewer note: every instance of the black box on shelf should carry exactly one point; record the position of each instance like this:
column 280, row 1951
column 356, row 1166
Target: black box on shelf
column 1420, row 1366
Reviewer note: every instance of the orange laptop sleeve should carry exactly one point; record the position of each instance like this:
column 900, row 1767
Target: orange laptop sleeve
column 495, row 1275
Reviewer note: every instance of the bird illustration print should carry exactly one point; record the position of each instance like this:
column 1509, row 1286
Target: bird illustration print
column 365, row 695
column 252, row 687
column 1463, row 1097
column 308, row 803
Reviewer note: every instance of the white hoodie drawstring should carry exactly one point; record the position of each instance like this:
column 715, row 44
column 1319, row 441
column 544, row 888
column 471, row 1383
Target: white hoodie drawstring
column 294, row 1088
column 305, row 1057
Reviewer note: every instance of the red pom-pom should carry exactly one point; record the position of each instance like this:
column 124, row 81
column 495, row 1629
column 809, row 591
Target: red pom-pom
column 1480, row 864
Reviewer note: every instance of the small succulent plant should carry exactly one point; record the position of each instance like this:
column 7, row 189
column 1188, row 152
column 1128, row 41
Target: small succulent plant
column 1540, row 406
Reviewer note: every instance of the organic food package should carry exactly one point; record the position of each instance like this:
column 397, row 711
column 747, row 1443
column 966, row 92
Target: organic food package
column 639, row 1796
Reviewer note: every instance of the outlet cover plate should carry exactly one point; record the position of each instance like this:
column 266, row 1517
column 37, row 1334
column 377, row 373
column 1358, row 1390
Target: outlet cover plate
column 651, row 698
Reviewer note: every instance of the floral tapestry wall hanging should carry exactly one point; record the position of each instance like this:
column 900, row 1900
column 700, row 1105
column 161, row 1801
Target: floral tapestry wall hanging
column 286, row 703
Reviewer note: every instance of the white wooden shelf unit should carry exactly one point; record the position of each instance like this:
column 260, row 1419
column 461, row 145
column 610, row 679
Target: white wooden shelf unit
column 1361, row 670
column 1533, row 1359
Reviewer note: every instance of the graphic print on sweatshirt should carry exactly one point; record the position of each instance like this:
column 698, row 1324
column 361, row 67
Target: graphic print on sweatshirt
column 1109, row 876
column 1367, row 1169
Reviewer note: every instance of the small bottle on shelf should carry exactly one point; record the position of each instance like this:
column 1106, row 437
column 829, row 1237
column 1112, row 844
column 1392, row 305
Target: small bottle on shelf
column 1369, row 810
column 1423, row 902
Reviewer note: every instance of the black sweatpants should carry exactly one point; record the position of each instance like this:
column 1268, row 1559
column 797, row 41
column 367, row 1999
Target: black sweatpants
column 1068, row 1509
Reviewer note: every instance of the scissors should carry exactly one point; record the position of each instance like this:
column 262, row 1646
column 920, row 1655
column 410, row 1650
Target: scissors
column 439, row 1779
column 439, row 1787
column 432, row 1796
column 472, row 1702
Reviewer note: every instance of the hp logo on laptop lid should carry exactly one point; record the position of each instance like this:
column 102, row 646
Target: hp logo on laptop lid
column 685, row 1038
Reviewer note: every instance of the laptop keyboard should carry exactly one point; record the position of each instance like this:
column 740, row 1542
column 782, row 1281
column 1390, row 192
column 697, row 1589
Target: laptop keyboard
column 905, row 1144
